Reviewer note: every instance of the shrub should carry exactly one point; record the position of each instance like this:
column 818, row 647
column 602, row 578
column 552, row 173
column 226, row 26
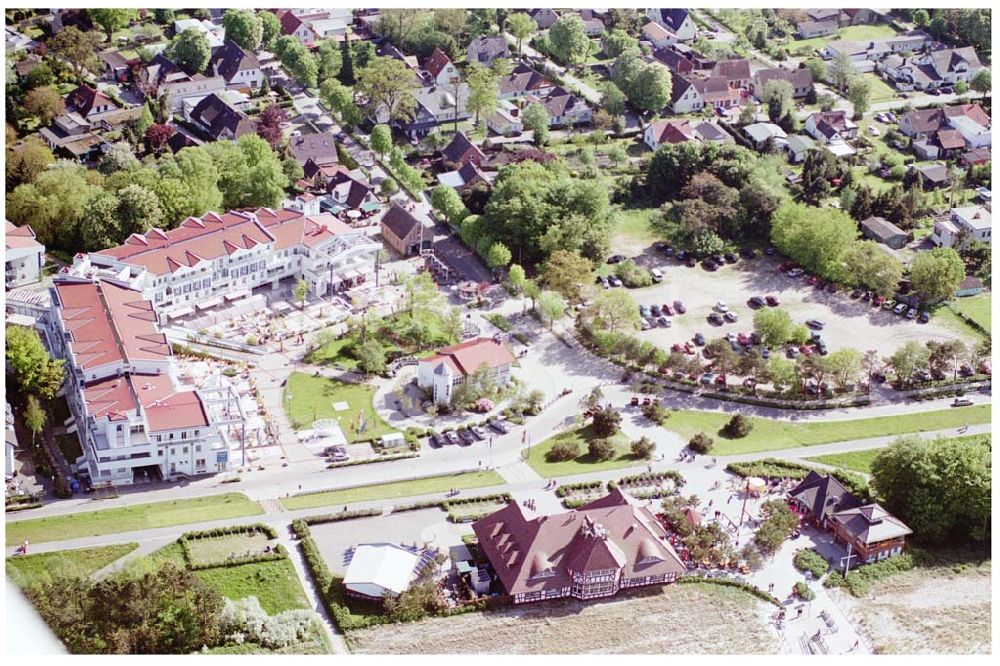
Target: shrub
column 607, row 421
column 859, row 580
column 811, row 561
column 739, row 426
column 562, row 451
column 655, row 412
column 803, row 591
column 701, row 443
column 643, row 448
column 601, row 449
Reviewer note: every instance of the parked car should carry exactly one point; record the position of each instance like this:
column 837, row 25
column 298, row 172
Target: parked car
column 667, row 310
column 856, row 294
column 769, row 251
column 665, row 322
column 715, row 319
column 646, row 325
column 765, row 353
column 795, row 273
column 873, row 130
column 961, row 402
column 478, row 431
column 452, row 438
column 500, row 426
column 966, row 371
column 806, row 350
column 616, row 259
column 436, row 440
column 660, row 246
column 747, row 253
column 706, row 378
column 699, row 339
column 720, row 380
column 772, row 301
column 924, row 317
column 731, row 317
column 679, row 307
column 691, row 262
column 710, row 266
column 656, row 274
column 755, row 302
column 888, row 304
column 466, row 438
column 730, row 258
column 681, row 255
column 644, row 311
column 720, row 306
column 615, row 281
column 815, row 323
column 911, row 313
column 655, row 310
column 899, row 309
column 821, row 348
column 336, row 453
column 792, row 352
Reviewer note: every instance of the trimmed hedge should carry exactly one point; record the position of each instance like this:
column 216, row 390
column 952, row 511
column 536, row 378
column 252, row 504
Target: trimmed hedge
column 264, row 529
column 277, row 553
column 726, row 582
column 647, row 478
column 343, row 515
column 564, row 490
column 453, row 518
column 859, row 580
column 809, row 560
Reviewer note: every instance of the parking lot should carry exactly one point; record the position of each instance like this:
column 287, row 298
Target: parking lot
column 848, row 323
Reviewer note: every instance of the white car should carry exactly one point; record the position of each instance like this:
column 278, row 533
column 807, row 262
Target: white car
column 721, row 306
column 656, row 274
column 873, row 130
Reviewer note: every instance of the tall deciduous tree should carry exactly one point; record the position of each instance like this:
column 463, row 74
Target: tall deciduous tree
column 29, row 363
column 536, row 119
column 270, row 28
column 381, row 139
column 191, row 50
column 615, row 310
column 34, row 417
column 75, row 47
column 551, row 307
column 567, row 272
column 386, row 84
column 936, row 274
column 44, row 102
column 568, row 40
column 484, row 93
column 521, row 26
column 112, row 19
column 245, row 27
column 860, row 93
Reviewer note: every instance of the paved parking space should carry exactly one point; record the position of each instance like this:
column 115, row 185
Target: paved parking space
column 849, row 323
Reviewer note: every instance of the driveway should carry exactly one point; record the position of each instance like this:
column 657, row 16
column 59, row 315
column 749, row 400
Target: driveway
column 849, row 323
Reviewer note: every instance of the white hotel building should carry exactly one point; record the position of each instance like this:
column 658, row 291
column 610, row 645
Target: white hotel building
column 216, row 258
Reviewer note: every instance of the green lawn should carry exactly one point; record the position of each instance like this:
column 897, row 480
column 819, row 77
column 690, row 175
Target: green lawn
column 308, row 398
column 131, row 518
column 584, row 463
column 632, row 226
column 977, row 308
column 946, row 316
column 44, row 567
column 274, row 583
column 861, row 461
column 881, row 91
column 859, row 33
column 392, row 490
column 770, row 435
column 217, row 549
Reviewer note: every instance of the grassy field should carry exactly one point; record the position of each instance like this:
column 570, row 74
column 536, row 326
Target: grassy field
column 45, row 567
column 274, row 583
column 977, row 308
column 583, row 463
column 676, row 619
column 308, row 398
column 861, row 461
column 131, row 518
column 770, row 435
column 217, row 549
column 392, row 490
column 632, row 228
column 881, row 91
column 858, row 33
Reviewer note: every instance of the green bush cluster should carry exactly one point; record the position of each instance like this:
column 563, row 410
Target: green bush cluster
column 725, row 582
column 570, row 488
column 803, row 591
column 652, row 478
column 701, row 443
column 811, row 561
column 858, row 581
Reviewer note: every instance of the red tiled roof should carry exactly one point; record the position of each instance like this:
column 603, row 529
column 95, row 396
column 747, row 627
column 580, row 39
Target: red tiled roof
column 109, row 324
column 613, row 532
column 466, row 357
column 182, row 409
column 292, row 230
column 85, row 98
column 16, row 238
column 436, row 62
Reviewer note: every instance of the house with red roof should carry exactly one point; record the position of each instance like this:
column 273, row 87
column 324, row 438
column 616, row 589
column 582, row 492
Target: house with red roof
column 452, row 366
column 214, row 258
column 606, row 546
column 23, row 256
column 440, row 69
column 134, row 421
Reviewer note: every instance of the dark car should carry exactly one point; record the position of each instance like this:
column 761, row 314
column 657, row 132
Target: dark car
column 756, row 302
column 772, row 301
column 710, row 265
column 660, row 246
column 656, row 310
column 867, row 296
column 679, row 307
column 603, row 281
column 747, row 253
column 856, row 294
column 467, row 437
column 715, row 319
column 435, row 440
column 769, row 251
column 699, row 339
column 691, row 262
column 924, row 317
column 616, row 259
column 730, row 258
column 681, row 255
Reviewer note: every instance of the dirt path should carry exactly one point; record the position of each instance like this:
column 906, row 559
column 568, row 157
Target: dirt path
column 926, row 611
column 693, row 619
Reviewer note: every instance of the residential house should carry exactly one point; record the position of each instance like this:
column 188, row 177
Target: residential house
column 217, row 257
column 945, row 143
column 680, row 131
column 484, row 49
column 73, row 136
column 564, row 108
column 735, row 72
column 135, row 421
column 864, row 56
column 677, row 21
column 23, row 256
column 545, row 18
column 830, row 126
column 219, row 119
column 593, row 26
column 658, row 36
column 462, row 151
column 239, row 67
column 387, row 50
column 436, row 106
column 963, row 224
column 930, row 70
column 449, row 369
column 677, row 61
column 506, row 120
column 760, row 134
column 114, row 66
column 523, row 80
column 685, row 96
column 969, row 120
column 441, row 70
column 297, row 23
column 328, row 28
column 797, row 146
column 819, row 497
column 975, row 157
column 883, row 231
column 860, row 17
column 970, row 286
column 347, row 192
column 608, row 545
column 404, row 233
column 466, row 176
column 813, row 29
column 800, row 79
column 321, row 148
column 933, row 176
column 89, row 102
column 716, row 92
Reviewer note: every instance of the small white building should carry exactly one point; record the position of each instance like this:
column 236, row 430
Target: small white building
column 973, row 222
column 451, row 366
column 23, row 256
column 380, row 570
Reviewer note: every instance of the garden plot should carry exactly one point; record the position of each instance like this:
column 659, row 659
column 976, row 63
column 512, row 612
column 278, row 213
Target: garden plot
column 209, row 550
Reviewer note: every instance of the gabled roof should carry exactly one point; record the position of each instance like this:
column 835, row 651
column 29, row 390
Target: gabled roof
column 232, row 59
column 18, row 238
column 732, row 70
column 399, row 221
column 823, row 495
column 461, row 150
column 389, row 567
column 523, row 79
column 798, row 78
column 84, row 99
column 676, row 61
column 672, row 131
column 881, row 228
column 320, row 148
column 946, row 60
column 871, row 523
column 437, row 61
column 655, row 32
column 467, row 357
column 673, row 18
column 218, row 116
column 487, row 48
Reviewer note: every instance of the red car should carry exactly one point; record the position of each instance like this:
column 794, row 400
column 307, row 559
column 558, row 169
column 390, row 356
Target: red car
column 667, row 310
column 689, row 348
column 676, row 347
column 721, row 380
column 786, row 266
column 806, row 350
column 813, row 280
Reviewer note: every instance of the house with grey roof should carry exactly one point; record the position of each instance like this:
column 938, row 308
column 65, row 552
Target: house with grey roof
column 487, row 48
column 883, row 231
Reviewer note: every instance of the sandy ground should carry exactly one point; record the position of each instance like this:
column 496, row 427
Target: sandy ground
column 849, row 323
column 678, row 619
column 926, row 611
